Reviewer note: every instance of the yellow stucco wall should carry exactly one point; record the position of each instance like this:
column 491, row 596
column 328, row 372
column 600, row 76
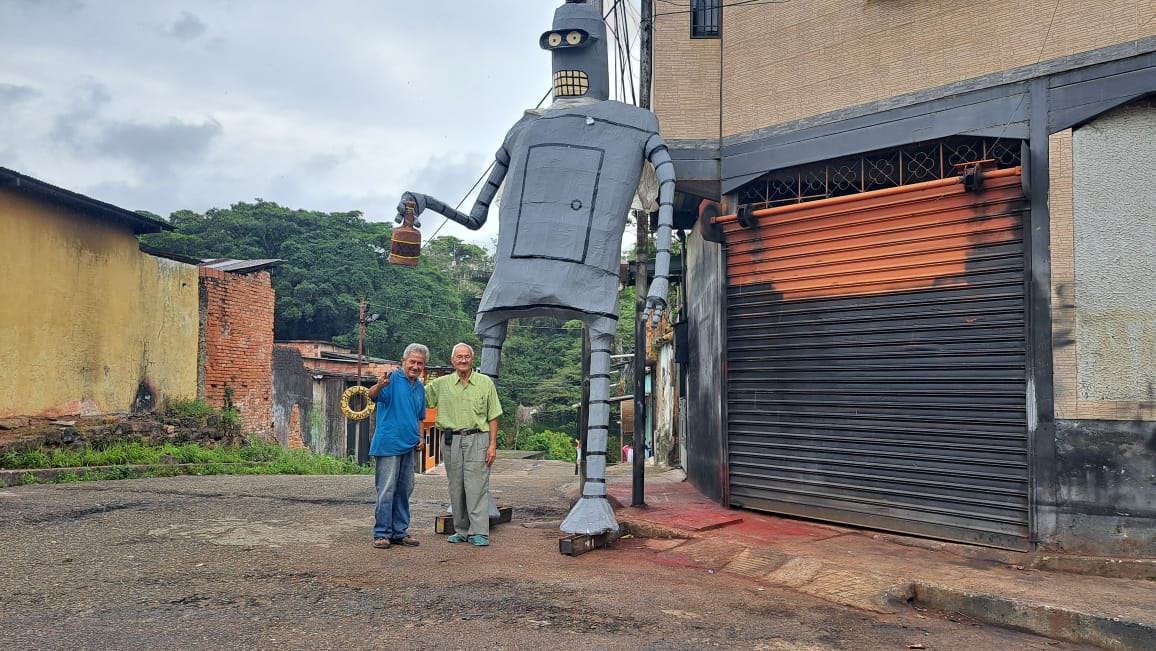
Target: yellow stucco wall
column 86, row 318
column 788, row 61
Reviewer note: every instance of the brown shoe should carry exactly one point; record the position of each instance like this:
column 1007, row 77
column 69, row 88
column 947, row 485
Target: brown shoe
column 382, row 543
column 405, row 542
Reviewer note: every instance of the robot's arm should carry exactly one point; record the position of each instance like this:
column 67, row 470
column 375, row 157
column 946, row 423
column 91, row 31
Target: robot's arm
column 663, row 168
column 477, row 217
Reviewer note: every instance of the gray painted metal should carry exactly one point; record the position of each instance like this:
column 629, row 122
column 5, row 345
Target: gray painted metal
column 999, row 111
column 900, row 410
column 706, row 311
column 1080, row 87
column 1038, row 288
column 571, row 171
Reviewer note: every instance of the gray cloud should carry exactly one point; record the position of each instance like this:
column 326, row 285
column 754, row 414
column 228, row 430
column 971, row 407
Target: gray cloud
column 448, row 177
column 66, row 6
column 158, row 146
column 186, row 28
column 164, row 105
column 68, row 126
column 11, row 94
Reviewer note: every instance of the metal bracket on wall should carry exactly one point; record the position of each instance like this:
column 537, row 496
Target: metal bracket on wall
column 746, row 217
column 973, row 180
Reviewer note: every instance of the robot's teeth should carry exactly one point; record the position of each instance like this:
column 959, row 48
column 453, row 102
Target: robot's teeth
column 570, row 83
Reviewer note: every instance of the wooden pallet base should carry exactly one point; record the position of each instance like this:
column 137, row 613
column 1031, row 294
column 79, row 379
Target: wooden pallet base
column 444, row 524
column 580, row 543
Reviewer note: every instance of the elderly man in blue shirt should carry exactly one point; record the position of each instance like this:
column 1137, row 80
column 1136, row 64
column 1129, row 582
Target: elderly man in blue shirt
column 400, row 398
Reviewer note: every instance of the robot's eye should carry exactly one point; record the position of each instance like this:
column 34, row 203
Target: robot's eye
column 554, row 39
column 574, row 38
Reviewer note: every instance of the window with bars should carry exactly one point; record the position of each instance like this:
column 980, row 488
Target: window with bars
column 705, row 18
column 876, row 170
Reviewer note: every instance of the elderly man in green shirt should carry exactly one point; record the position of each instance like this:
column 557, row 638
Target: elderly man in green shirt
column 468, row 410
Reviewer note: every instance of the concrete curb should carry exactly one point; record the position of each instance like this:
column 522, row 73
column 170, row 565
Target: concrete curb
column 860, row 589
column 1042, row 619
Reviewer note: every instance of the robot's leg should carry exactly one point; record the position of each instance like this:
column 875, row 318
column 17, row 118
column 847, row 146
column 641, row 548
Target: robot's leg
column 492, row 332
column 593, row 514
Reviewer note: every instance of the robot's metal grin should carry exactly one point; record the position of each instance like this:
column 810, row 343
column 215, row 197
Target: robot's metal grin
column 570, row 83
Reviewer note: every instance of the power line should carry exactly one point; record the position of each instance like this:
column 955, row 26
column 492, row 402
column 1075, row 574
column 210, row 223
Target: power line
column 742, row 3
column 454, row 318
column 1039, row 58
column 491, row 165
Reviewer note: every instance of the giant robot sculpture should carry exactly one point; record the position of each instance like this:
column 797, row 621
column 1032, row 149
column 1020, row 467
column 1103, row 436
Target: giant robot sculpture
column 571, row 171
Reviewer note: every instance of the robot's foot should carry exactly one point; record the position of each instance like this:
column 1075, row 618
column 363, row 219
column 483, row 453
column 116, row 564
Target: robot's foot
column 591, row 515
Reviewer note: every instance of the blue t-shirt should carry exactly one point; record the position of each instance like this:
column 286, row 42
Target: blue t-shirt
column 400, row 408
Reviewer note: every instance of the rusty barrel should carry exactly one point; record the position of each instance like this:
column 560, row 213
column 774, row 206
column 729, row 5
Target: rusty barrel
column 405, row 246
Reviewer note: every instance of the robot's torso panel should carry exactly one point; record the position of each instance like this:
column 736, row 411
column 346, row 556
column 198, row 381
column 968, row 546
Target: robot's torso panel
column 564, row 209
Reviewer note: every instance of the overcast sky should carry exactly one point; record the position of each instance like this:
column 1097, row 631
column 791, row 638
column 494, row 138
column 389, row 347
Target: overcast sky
column 163, row 105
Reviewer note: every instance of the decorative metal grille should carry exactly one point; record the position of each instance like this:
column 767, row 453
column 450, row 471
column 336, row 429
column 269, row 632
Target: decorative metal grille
column 877, row 170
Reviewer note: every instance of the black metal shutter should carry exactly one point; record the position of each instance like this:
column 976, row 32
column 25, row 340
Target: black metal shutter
column 876, row 351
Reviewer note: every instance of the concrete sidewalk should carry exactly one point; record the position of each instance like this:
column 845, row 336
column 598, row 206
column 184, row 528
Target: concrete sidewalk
column 886, row 572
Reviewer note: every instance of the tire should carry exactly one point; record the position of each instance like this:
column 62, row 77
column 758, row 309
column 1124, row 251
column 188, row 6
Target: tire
column 361, row 414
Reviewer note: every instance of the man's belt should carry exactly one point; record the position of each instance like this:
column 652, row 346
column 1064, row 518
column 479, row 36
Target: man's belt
column 449, row 434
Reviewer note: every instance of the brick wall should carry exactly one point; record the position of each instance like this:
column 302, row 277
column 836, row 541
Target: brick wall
column 237, row 344
column 788, row 61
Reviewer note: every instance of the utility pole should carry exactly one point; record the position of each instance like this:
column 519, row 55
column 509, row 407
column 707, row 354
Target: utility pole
column 642, row 222
column 360, row 335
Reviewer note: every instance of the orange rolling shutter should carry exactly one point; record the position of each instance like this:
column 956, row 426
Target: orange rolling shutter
column 876, row 351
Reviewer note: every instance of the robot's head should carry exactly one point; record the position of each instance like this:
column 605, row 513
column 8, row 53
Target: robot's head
column 578, row 45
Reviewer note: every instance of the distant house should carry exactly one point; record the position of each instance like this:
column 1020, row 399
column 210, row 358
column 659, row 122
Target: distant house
column 89, row 324
column 309, row 378
column 920, row 290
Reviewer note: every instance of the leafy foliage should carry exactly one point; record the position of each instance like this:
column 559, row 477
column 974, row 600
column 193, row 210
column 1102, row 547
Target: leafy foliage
column 330, row 261
column 558, row 446
column 124, row 458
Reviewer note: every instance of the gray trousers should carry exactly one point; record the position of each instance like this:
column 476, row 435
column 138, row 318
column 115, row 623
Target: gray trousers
column 469, row 479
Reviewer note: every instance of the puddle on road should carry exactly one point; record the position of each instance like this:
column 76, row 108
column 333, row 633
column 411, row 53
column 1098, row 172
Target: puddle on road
column 265, row 533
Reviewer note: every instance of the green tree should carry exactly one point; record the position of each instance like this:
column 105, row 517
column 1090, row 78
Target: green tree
column 330, row 260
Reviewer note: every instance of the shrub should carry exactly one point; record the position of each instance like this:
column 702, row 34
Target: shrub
column 558, row 446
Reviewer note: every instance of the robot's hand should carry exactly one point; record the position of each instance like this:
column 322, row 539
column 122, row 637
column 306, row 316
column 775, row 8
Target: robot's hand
column 418, row 208
column 656, row 302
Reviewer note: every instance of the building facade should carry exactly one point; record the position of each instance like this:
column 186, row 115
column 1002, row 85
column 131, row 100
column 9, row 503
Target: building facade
column 918, row 289
column 89, row 324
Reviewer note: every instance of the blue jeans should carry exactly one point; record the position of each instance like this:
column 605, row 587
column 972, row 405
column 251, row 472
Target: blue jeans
column 393, row 480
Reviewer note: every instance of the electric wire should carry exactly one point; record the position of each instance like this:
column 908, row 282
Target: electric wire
column 491, row 165
column 1039, row 57
column 460, row 320
column 742, row 3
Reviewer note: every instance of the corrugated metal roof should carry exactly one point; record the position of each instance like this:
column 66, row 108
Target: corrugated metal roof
column 240, row 266
column 85, row 205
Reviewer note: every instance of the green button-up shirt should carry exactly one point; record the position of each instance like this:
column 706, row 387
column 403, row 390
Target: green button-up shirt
column 463, row 406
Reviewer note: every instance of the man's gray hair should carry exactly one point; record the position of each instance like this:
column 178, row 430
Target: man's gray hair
column 415, row 348
column 459, row 345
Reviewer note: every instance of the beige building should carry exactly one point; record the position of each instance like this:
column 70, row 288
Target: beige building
column 89, row 324
column 920, row 262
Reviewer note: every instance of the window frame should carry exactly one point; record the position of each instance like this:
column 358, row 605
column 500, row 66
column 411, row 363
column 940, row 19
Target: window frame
column 704, row 9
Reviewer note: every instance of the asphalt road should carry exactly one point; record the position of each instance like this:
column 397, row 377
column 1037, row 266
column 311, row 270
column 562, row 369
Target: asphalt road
column 285, row 562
